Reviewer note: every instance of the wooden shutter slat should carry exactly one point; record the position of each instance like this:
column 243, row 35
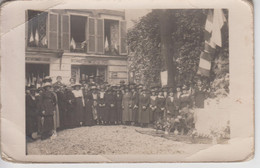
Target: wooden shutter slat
column 53, row 31
column 100, row 36
column 91, row 35
column 123, row 45
column 65, row 32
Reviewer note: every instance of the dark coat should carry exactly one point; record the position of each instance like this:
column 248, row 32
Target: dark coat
column 172, row 106
column 135, row 103
column 102, row 108
column 160, row 103
column 144, row 117
column 31, row 115
column 111, row 107
column 119, row 98
column 199, row 96
column 48, row 107
column 69, row 113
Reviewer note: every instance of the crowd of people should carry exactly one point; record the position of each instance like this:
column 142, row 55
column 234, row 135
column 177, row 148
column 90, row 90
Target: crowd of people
column 56, row 106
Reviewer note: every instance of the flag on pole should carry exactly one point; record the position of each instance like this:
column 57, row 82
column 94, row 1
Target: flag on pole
column 73, row 44
column 214, row 23
column 106, row 45
column 31, row 39
column 44, row 41
column 36, row 37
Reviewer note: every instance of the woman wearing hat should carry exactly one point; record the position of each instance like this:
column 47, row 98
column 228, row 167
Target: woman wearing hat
column 126, row 106
column 111, row 106
column 119, row 97
column 134, row 100
column 160, row 104
column 94, row 100
column 69, row 116
column 152, row 107
column 48, row 107
column 144, row 100
column 79, row 103
column 102, row 109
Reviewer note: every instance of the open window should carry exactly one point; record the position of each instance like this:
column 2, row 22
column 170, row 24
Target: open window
column 111, row 38
column 37, row 29
column 78, row 32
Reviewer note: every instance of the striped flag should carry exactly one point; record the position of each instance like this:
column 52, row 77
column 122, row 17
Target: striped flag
column 214, row 23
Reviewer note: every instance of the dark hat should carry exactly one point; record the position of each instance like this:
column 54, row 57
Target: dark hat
column 32, row 88
column 47, row 79
column 122, row 81
column 171, row 90
column 91, row 76
column 76, row 84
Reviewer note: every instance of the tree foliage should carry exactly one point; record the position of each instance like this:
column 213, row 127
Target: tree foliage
column 144, row 44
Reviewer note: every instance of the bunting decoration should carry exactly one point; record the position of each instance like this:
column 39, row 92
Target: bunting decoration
column 214, row 23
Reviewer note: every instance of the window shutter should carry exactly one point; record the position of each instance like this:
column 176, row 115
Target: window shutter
column 53, row 31
column 65, row 32
column 100, row 36
column 91, row 35
column 123, row 45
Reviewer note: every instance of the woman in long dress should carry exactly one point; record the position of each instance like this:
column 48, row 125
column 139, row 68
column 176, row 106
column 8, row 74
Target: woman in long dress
column 134, row 99
column 69, row 115
column 79, row 103
column 111, row 106
column 126, row 115
column 152, row 107
column 102, row 109
column 48, row 107
column 119, row 97
column 144, row 101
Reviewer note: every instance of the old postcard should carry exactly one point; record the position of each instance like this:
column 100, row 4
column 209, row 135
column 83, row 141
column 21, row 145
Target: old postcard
column 114, row 81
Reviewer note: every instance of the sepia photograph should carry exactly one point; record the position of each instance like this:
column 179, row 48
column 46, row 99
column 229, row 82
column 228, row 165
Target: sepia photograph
column 126, row 81
column 121, row 83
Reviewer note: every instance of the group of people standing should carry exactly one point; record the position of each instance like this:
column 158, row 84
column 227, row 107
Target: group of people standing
column 56, row 106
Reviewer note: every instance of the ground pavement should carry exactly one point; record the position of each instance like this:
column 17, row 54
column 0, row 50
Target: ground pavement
column 111, row 140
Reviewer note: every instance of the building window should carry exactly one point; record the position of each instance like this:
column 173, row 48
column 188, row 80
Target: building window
column 111, row 37
column 78, row 31
column 37, row 29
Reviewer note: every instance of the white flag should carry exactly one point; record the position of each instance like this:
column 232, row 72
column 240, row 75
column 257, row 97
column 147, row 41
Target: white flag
column 106, row 45
column 218, row 22
column 73, row 44
column 31, row 37
column 36, row 37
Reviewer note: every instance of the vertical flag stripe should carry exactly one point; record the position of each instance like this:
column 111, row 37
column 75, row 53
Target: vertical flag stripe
column 205, row 64
column 214, row 22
